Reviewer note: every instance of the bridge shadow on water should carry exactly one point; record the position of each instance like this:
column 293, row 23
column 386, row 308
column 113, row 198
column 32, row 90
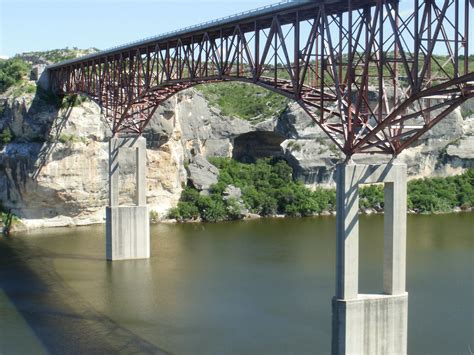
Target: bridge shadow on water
column 58, row 316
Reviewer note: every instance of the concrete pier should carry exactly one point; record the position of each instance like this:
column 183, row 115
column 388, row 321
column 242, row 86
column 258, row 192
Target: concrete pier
column 127, row 227
column 370, row 324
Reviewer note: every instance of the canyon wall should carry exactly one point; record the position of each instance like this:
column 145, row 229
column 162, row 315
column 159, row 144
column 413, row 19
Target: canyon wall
column 54, row 171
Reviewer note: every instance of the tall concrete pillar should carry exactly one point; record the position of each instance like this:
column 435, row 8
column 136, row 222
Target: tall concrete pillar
column 376, row 323
column 127, row 227
column 42, row 77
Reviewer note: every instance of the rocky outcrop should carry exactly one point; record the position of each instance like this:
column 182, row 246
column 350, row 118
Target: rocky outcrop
column 445, row 150
column 202, row 174
column 232, row 192
column 54, row 172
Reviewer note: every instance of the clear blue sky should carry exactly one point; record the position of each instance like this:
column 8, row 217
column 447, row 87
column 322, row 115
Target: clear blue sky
column 28, row 25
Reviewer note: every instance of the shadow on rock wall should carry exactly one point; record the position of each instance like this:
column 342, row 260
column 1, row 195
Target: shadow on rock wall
column 34, row 126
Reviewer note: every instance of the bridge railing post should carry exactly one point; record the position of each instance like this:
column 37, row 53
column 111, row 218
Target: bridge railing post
column 127, row 227
column 377, row 323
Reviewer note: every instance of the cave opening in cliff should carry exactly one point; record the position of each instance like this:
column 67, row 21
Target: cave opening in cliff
column 251, row 146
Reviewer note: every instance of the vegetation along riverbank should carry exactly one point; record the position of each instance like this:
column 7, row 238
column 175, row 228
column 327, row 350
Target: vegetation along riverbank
column 267, row 188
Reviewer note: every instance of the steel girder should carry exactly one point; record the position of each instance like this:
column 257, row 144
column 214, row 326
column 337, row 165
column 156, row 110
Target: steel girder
column 373, row 76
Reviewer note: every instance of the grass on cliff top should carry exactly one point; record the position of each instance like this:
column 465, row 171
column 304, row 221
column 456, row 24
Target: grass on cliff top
column 15, row 72
column 245, row 101
column 56, row 55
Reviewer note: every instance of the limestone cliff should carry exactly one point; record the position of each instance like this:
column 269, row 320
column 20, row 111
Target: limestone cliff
column 447, row 149
column 54, row 170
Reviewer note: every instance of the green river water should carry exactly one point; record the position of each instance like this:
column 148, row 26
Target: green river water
column 254, row 287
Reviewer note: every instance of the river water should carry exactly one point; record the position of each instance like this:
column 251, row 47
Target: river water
column 255, row 287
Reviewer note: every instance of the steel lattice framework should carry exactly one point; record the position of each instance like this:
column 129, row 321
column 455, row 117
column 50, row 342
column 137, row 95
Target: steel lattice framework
column 373, row 76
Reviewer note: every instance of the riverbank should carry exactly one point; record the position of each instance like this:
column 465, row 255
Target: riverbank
column 267, row 189
column 365, row 212
column 19, row 226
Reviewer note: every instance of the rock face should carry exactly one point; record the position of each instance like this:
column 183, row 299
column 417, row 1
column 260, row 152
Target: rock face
column 202, row 174
column 54, row 172
column 232, row 192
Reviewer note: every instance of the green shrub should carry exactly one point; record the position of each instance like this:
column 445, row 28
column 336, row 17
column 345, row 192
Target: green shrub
column 12, row 72
column 65, row 138
column 174, row 213
column 190, row 194
column 371, row 196
column 6, row 136
column 70, row 138
column 154, row 216
column 233, row 209
column 30, row 88
column 442, row 194
column 213, row 210
column 23, row 88
column 268, row 189
column 187, row 210
column 74, row 100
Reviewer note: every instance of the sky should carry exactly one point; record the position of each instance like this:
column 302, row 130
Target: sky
column 33, row 25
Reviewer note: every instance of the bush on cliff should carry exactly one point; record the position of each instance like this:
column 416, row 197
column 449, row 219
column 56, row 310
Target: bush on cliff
column 6, row 136
column 268, row 188
column 12, row 72
column 210, row 208
column 442, row 194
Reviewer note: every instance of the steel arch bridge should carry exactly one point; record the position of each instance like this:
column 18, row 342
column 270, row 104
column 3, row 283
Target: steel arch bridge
column 375, row 75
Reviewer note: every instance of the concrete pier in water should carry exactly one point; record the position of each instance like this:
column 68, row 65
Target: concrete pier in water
column 127, row 227
column 370, row 323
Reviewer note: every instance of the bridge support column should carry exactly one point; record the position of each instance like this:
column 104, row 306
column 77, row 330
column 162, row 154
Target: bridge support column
column 127, row 227
column 370, row 324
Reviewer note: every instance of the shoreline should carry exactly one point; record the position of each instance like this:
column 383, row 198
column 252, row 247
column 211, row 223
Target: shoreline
column 366, row 212
column 48, row 224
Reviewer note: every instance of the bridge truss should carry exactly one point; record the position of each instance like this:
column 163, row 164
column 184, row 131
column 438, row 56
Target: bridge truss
column 375, row 75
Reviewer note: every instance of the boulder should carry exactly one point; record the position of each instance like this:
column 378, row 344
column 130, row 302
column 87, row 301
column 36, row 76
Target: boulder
column 202, row 174
column 232, row 192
